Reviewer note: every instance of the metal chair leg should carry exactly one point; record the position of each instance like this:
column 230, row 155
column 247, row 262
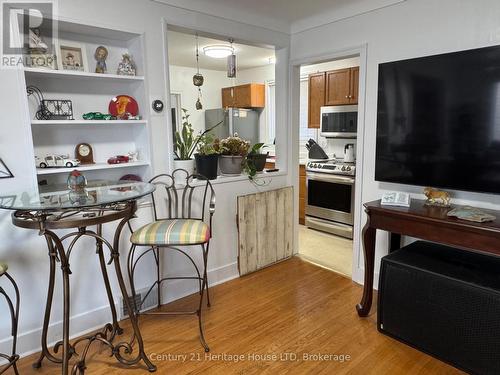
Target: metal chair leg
column 14, row 314
column 205, row 266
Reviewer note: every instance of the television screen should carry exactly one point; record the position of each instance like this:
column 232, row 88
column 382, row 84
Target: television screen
column 438, row 121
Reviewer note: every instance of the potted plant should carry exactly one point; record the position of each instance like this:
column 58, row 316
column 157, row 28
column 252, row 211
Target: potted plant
column 256, row 161
column 233, row 152
column 184, row 145
column 207, row 157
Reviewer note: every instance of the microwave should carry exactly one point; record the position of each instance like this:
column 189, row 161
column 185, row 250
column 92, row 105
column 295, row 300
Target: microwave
column 339, row 121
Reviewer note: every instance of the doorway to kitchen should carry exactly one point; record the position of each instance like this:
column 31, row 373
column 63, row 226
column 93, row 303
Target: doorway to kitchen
column 328, row 132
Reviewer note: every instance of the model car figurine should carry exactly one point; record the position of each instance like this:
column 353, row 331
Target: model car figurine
column 56, row 161
column 118, row 159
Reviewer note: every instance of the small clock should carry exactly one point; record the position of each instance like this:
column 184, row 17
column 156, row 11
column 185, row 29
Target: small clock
column 84, row 153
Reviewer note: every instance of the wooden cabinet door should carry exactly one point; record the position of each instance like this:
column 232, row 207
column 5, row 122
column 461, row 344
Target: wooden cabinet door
column 302, row 194
column 354, row 86
column 338, row 87
column 252, row 95
column 316, row 99
column 227, row 97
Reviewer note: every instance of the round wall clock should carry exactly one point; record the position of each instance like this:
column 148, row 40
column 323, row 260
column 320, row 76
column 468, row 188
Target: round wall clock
column 122, row 104
column 84, row 153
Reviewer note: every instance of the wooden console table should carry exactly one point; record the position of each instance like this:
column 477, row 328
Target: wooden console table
column 426, row 223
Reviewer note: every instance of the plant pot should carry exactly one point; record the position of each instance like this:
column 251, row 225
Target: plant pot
column 187, row 165
column 230, row 165
column 258, row 160
column 206, row 165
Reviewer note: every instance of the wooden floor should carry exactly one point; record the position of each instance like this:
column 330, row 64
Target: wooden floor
column 293, row 307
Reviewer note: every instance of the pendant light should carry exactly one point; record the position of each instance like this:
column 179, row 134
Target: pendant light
column 198, row 77
column 231, row 62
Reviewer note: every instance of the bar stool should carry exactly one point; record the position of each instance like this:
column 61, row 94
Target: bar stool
column 183, row 226
column 14, row 315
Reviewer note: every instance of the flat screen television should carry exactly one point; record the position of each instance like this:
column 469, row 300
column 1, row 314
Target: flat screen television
column 438, row 121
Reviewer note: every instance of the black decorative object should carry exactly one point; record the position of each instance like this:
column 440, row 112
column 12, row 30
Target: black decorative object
column 198, row 79
column 158, row 105
column 51, row 109
column 4, row 170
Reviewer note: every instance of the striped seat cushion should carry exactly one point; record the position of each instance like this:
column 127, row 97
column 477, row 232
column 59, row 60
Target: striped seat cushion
column 3, row 268
column 172, row 232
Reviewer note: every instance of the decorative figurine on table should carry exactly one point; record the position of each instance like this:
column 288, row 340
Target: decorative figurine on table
column 77, row 181
column 126, row 67
column 436, row 197
column 101, row 54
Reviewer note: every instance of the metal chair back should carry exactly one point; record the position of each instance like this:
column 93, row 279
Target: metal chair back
column 189, row 197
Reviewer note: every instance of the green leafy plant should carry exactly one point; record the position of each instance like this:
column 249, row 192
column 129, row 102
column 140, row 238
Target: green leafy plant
column 234, row 146
column 185, row 143
column 208, row 145
column 256, row 149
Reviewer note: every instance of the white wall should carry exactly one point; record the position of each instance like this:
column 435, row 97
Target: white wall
column 181, row 81
column 27, row 253
column 410, row 29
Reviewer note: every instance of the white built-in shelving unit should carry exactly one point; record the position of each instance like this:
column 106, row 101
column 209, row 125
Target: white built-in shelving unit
column 92, row 92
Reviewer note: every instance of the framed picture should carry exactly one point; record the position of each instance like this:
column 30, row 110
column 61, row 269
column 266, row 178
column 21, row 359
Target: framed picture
column 4, row 170
column 72, row 56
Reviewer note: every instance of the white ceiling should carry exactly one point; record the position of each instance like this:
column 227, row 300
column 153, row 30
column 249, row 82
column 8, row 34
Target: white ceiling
column 289, row 16
column 182, row 52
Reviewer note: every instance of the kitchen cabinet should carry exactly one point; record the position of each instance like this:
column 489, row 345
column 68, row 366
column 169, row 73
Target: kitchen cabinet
column 342, row 86
column 251, row 95
column 316, row 99
column 302, row 194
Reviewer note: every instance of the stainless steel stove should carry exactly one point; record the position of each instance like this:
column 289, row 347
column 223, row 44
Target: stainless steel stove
column 330, row 196
column 331, row 166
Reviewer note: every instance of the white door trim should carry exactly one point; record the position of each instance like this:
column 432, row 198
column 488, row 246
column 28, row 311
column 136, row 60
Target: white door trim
column 361, row 51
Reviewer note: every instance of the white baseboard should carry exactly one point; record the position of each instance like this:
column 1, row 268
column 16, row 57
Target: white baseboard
column 29, row 341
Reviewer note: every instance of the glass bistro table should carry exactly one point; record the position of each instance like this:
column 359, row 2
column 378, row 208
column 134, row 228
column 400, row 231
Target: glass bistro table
column 53, row 207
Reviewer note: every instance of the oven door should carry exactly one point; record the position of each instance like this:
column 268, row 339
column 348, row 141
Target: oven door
column 330, row 197
column 339, row 121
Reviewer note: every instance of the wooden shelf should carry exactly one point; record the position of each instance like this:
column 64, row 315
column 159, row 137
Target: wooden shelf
column 88, row 122
column 70, row 74
column 92, row 167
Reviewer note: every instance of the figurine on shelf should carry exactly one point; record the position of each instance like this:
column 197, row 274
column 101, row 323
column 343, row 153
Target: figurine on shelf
column 126, row 67
column 436, row 197
column 101, row 54
column 77, row 181
column 133, row 156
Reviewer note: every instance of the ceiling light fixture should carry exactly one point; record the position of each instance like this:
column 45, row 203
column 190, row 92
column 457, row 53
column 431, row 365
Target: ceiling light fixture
column 218, row 51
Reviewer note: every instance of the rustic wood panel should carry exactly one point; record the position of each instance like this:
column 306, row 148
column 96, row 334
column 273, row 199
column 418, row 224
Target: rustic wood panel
column 265, row 229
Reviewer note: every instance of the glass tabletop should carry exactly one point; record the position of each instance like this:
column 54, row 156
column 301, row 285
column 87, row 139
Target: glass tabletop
column 58, row 197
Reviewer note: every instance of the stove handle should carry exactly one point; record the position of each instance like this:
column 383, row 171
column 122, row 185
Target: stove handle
column 330, row 178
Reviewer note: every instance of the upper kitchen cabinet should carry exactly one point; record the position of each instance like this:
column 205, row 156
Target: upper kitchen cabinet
column 342, row 86
column 316, row 98
column 252, row 95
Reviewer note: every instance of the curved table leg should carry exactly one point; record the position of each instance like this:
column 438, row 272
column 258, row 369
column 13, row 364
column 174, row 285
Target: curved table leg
column 48, row 307
column 369, row 236
column 132, row 314
column 116, row 327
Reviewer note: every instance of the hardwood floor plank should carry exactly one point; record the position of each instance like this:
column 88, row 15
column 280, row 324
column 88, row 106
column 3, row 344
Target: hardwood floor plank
column 291, row 307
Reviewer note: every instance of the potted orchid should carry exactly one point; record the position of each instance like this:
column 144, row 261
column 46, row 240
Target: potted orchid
column 233, row 152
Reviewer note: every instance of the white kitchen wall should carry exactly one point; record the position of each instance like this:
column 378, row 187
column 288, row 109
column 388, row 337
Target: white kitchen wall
column 181, row 82
column 26, row 252
column 410, row 29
